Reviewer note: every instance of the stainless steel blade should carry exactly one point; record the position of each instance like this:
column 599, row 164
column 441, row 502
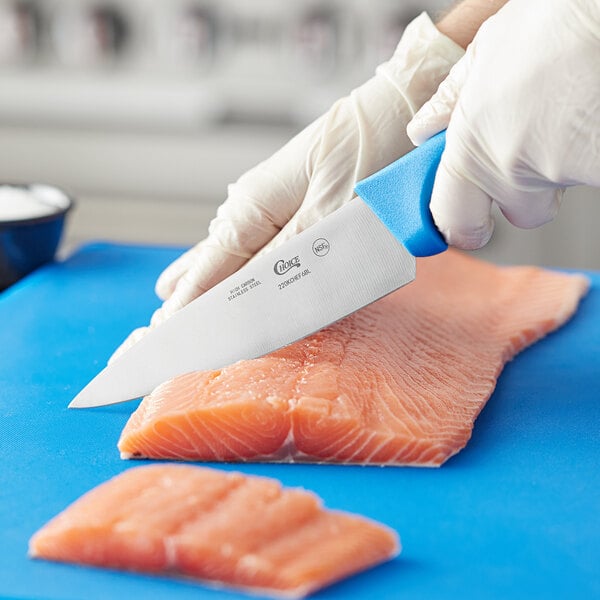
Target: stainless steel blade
column 342, row 263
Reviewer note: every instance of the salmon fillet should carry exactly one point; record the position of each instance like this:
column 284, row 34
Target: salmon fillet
column 400, row 382
column 223, row 528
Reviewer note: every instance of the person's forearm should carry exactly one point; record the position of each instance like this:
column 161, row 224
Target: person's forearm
column 463, row 20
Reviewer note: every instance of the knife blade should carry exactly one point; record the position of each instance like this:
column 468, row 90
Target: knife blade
column 361, row 252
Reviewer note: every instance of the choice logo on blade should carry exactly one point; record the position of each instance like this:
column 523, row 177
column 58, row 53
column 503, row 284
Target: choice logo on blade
column 283, row 266
column 320, row 247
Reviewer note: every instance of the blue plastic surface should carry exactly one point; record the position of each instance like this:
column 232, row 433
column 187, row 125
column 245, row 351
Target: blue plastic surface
column 514, row 515
column 400, row 193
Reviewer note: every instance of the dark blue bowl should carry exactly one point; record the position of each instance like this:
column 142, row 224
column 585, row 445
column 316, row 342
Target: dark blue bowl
column 26, row 244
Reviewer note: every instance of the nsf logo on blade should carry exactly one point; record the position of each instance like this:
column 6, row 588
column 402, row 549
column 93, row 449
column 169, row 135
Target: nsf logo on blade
column 320, row 247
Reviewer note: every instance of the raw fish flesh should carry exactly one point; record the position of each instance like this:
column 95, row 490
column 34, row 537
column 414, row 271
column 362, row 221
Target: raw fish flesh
column 400, row 382
column 223, row 528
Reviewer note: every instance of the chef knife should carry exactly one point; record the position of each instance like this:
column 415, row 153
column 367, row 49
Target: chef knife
column 361, row 252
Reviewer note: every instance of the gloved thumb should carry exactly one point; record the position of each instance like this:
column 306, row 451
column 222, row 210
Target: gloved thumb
column 460, row 210
column 435, row 114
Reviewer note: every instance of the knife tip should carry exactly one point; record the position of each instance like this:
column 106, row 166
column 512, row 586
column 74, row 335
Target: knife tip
column 90, row 399
column 83, row 399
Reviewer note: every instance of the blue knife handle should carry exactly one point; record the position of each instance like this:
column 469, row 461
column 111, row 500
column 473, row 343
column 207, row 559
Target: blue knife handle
column 400, row 193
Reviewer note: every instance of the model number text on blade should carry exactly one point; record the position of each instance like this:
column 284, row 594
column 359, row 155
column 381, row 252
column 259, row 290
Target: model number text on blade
column 293, row 279
column 243, row 288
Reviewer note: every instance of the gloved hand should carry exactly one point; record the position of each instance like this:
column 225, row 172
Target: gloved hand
column 522, row 112
column 314, row 173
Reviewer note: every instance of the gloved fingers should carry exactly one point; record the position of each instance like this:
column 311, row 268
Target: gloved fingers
column 244, row 223
column 434, row 115
column 460, row 210
column 258, row 205
column 531, row 209
column 210, row 266
column 167, row 280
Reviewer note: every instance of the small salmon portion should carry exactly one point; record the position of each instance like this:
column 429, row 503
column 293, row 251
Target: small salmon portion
column 223, row 528
column 400, row 382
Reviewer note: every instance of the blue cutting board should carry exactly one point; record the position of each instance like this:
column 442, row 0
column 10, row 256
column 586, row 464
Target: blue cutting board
column 514, row 515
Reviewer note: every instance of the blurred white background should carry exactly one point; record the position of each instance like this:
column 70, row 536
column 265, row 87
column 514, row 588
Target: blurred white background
column 144, row 110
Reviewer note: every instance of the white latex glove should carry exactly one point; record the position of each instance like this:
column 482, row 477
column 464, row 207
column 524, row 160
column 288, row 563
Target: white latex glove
column 522, row 112
column 314, row 173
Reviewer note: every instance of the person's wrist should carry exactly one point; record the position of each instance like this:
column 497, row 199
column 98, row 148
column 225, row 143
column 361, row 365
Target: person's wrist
column 463, row 20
